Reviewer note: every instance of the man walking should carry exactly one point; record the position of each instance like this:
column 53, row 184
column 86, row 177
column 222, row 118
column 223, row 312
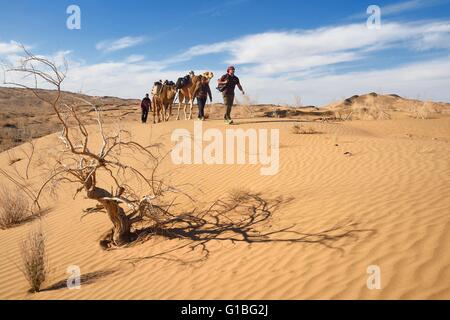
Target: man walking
column 203, row 92
column 229, row 82
column 146, row 106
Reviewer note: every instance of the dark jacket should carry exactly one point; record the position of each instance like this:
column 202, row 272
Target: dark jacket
column 146, row 104
column 233, row 81
column 204, row 91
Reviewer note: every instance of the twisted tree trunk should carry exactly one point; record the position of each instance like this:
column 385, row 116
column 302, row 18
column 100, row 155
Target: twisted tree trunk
column 121, row 233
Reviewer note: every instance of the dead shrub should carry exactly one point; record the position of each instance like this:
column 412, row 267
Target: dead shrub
column 34, row 260
column 298, row 129
column 14, row 207
column 422, row 110
column 369, row 111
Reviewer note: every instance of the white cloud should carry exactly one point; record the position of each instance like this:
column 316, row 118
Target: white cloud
column 119, row 44
column 11, row 47
column 272, row 53
column 427, row 80
column 434, row 36
column 126, row 78
column 401, row 7
column 135, row 58
column 276, row 66
column 60, row 57
column 409, row 6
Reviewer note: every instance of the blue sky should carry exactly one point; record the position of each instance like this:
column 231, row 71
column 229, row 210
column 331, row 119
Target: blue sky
column 320, row 51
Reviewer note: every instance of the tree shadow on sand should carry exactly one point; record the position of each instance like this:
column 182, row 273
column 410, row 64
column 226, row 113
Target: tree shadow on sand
column 241, row 217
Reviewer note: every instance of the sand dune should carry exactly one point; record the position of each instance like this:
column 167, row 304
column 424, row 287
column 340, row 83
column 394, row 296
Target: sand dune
column 374, row 106
column 385, row 181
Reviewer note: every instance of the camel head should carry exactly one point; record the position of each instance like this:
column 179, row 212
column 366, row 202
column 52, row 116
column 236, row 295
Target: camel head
column 208, row 75
column 156, row 88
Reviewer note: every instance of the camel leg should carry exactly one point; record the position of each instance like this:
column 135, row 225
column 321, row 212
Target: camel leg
column 154, row 107
column 185, row 111
column 191, row 106
column 170, row 112
column 180, row 98
column 164, row 113
column 158, row 111
column 179, row 110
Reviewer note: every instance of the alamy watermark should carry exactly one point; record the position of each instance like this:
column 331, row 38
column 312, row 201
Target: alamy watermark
column 374, row 20
column 237, row 146
column 374, row 279
column 74, row 279
column 74, row 20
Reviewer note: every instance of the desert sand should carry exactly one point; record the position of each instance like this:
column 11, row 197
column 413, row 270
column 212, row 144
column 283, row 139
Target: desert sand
column 386, row 181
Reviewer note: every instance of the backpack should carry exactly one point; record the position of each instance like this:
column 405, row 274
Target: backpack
column 223, row 87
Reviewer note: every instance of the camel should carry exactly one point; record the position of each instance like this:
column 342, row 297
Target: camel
column 188, row 93
column 163, row 95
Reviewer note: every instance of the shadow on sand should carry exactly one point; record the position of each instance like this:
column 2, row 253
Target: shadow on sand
column 85, row 279
column 242, row 217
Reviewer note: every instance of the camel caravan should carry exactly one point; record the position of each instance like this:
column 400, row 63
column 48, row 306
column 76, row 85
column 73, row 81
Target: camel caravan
column 186, row 89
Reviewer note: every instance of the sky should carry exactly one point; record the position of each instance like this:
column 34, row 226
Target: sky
column 283, row 50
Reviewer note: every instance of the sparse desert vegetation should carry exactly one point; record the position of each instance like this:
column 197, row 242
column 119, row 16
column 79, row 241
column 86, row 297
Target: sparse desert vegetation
column 373, row 106
column 14, row 207
column 34, row 259
column 423, row 110
column 300, row 129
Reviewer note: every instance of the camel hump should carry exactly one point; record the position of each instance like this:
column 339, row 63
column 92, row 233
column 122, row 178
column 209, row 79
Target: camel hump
column 169, row 83
column 183, row 82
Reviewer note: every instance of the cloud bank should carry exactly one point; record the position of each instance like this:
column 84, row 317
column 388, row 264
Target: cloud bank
column 320, row 65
